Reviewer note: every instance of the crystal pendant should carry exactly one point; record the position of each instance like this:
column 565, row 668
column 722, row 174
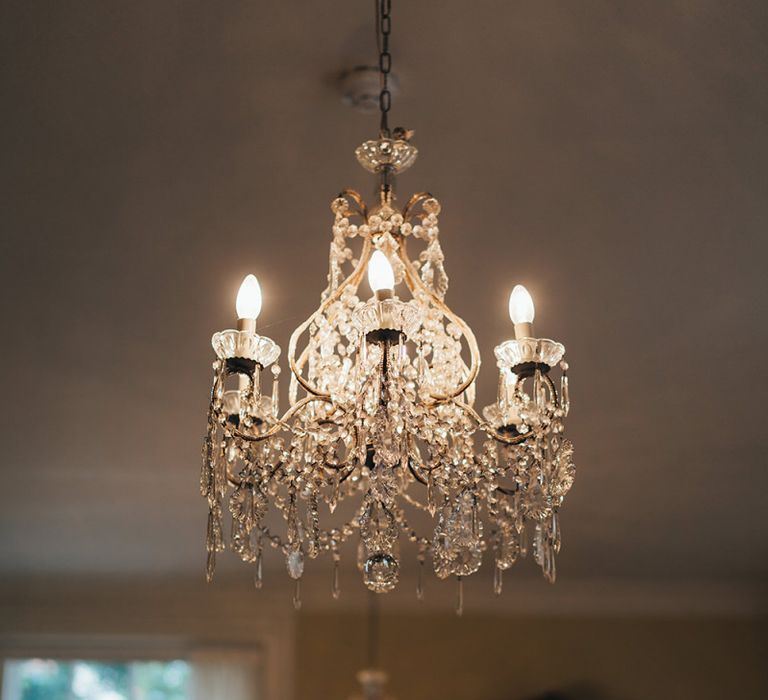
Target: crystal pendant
column 420, row 581
column 258, row 581
column 335, row 587
column 498, row 574
column 297, row 595
column 459, row 596
column 381, row 572
column 294, row 562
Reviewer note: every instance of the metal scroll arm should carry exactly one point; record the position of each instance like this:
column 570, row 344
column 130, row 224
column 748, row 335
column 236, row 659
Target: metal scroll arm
column 414, row 283
column 413, row 201
column 487, row 428
column 282, row 423
column 354, row 279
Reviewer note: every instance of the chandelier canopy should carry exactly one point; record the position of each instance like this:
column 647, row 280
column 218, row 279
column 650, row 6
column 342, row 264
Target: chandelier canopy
column 381, row 410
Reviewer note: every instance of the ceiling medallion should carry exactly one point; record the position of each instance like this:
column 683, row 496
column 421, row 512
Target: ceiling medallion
column 381, row 420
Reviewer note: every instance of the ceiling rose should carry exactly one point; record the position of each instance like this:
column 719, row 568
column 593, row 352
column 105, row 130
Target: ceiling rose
column 381, row 409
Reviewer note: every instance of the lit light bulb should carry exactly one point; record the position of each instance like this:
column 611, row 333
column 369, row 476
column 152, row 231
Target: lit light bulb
column 248, row 302
column 380, row 275
column 521, row 311
column 521, row 305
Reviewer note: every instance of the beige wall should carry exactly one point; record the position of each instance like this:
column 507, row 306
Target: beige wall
column 441, row 657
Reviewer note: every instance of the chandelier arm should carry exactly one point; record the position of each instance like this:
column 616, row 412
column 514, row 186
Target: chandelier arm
column 281, row 424
column 294, row 384
column 506, row 491
column 348, row 474
column 488, row 428
column 414, row 283
column 548, row 381
column 412, row 202
column 339, row 468
column 354, row 195
column 416, row 476
column 354, row 278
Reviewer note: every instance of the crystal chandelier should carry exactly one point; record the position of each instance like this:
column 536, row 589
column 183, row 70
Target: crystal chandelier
column 381, row 413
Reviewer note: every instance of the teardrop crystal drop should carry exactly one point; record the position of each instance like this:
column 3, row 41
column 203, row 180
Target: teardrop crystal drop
column 420, row 580
column 498, row 574
column 431, row 500
column 210, row 565
column 297, row 595
column 335, row 587
column 257, row 575
column 294, row 562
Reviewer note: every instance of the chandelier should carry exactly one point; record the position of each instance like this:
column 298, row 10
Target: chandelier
column 381, row 420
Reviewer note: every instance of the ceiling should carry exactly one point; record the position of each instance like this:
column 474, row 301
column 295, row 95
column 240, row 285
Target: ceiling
column 610, row 156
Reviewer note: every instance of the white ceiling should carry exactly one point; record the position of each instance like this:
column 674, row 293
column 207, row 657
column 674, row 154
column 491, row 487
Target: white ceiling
column 610, row 156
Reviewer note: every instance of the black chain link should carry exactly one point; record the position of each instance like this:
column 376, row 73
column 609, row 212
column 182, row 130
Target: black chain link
column 383, row 29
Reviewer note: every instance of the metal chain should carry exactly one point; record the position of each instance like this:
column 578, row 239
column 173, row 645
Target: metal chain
column 383, row 29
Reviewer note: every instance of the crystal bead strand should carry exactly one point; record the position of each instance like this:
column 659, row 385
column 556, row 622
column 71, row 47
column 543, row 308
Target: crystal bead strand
column 565, row 401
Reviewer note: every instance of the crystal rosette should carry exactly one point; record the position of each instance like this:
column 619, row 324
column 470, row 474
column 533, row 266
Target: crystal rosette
column 388, row 314
column 232, row 343
column 521, row 351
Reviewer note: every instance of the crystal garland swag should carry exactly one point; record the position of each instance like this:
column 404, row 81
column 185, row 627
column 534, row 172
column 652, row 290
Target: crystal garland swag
column 381, row 413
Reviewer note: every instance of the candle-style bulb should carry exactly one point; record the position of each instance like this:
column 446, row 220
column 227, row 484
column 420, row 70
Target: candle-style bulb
column 248, row 302
column 380, row 273
column 521, row 305
column 521, row 311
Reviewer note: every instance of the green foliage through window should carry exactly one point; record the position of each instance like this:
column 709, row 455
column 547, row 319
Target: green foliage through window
column 48, row 679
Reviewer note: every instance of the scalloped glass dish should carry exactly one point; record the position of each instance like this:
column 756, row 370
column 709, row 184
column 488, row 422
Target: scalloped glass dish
column 389, row 314
column 251, row 346
column 517, row 352
column 398, row 154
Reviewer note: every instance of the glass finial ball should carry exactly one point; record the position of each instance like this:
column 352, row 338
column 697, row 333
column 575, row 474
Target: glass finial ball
column 381, row 572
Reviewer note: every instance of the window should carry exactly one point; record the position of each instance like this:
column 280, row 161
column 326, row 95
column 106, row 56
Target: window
column 52, row 679
column 203, row 674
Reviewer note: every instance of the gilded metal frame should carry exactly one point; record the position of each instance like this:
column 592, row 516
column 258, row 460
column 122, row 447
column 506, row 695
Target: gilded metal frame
column 417, row 288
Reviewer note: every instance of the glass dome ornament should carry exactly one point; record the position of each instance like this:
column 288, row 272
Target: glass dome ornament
column 381, row 450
